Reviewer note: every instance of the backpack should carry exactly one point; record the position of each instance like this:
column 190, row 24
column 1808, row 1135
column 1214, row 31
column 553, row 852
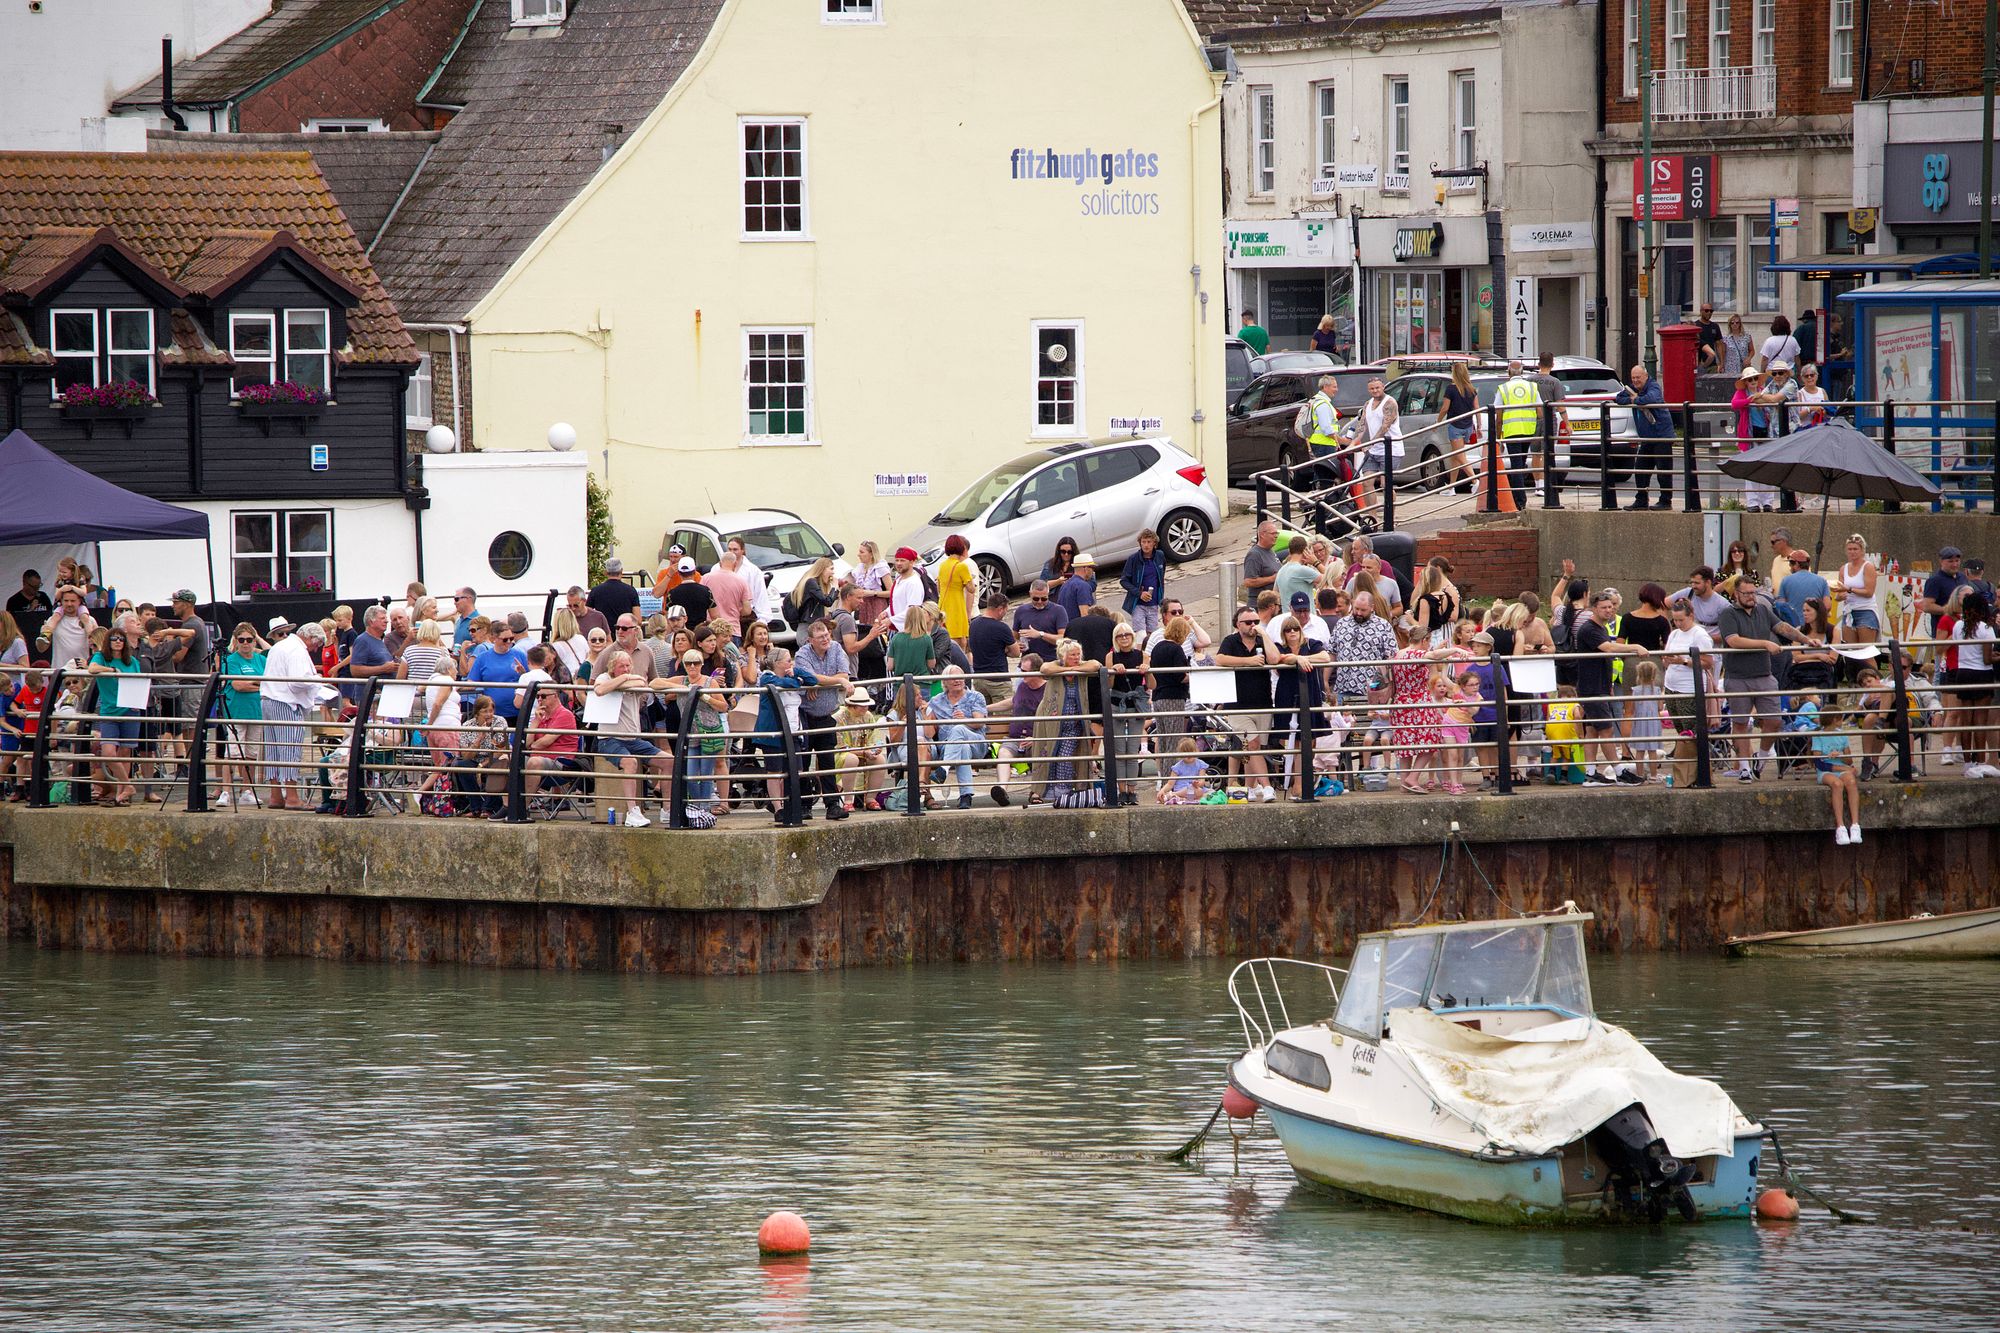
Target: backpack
column 1563, row 631
column 930, row 584
column 1302, row 423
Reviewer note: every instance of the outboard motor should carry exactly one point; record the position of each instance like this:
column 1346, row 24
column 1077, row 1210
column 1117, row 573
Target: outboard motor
column 1646, row 1178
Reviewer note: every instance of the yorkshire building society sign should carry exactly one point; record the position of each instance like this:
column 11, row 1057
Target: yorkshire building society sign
column 1285, row 243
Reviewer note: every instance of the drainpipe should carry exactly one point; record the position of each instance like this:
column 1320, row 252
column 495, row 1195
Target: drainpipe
column 452, row 333
column 1601, row 299
column 167, row 85
column 1199, row 418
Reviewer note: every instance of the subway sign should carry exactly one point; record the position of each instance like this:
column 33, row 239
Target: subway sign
column 1683, row 187
column 1415, row 243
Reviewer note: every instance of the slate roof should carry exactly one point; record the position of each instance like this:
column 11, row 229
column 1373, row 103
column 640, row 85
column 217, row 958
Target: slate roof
column 292, row 32
column 530, row 137
column 1214, row 16
column 367, row 171
column 188, row 213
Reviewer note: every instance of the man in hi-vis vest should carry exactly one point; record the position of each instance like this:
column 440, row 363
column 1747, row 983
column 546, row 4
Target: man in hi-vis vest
column 1323, row 440
column 1520, row 403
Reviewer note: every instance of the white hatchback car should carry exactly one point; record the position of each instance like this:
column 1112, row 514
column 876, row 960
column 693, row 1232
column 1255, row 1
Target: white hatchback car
column 1102, row 494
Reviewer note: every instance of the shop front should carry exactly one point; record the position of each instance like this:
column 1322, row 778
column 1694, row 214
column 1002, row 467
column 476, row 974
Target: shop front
column 1930, row 196
column 1430, row 288
column 1292, row 272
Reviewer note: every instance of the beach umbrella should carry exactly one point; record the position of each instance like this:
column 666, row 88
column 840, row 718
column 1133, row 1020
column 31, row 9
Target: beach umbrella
column 1833, row 460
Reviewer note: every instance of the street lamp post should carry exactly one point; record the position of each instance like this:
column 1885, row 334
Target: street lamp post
column 1646, row 253
column 1986, row 78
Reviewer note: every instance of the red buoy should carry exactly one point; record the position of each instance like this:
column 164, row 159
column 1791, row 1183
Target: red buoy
column 1237, row 1106
column 783, row 1233
column 1776, row 1205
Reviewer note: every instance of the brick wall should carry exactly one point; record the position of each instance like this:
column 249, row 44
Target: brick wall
column 1946, row 38
column 1487, row 562
column 1801, row 51
column 444, row 388
column 373, row 75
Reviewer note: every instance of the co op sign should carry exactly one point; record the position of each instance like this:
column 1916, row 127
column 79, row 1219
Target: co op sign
column 1104, row 181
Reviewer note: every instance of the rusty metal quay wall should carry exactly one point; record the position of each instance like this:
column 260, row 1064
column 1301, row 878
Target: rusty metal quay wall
column 1664, row 870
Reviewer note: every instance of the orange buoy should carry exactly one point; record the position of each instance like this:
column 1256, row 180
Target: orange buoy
column 1236, row 1105
column 783, row 1233
column 1777, row 1205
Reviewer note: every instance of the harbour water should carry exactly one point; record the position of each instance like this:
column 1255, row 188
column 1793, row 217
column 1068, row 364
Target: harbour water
column 259, row 1145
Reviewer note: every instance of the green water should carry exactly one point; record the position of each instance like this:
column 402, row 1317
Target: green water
column 293, row 1145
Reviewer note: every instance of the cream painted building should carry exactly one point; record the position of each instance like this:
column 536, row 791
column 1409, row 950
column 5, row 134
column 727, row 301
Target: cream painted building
column 846, row 267
column 1339, row 141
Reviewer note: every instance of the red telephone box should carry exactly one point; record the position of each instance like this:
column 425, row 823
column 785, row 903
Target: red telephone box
column 1680, row 346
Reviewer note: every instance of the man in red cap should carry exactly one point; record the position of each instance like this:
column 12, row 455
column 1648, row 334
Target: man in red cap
column 909, row 589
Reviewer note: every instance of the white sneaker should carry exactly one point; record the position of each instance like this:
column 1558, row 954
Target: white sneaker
column 634, row 818
column 1269, row 794
column 247, row 798
column 1840, row 835
column 665, row 817
column 1948, row 756
column 222, row 801
column 1854, row 834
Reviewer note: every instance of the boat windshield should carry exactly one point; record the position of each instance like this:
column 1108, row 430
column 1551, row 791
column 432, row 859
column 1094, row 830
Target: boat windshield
column 1531, row 965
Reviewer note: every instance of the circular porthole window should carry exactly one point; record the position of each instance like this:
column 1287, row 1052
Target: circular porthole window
column 510, row 555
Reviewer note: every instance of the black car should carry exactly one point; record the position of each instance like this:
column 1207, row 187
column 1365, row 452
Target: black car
column 1260, row 418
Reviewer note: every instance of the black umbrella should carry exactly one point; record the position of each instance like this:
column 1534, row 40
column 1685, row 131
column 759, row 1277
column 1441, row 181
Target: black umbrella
column 1834, row 460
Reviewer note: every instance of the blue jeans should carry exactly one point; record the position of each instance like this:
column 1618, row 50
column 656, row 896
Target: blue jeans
column 701, row 779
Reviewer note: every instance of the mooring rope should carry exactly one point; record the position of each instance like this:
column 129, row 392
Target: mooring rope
column 1790, row 1180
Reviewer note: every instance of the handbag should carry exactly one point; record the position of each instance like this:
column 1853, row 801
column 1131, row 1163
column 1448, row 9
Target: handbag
column 743, row 714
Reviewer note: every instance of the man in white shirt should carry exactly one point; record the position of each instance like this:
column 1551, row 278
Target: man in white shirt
column 285, row 703
column 909, row 589
column 1380, row 432
column 1198, row 642
column 762, row 604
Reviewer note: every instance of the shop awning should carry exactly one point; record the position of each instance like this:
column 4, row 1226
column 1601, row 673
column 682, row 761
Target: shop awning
column 1843, row 266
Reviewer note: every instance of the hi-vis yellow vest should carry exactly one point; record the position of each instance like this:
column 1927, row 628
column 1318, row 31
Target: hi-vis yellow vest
column 1520, row 412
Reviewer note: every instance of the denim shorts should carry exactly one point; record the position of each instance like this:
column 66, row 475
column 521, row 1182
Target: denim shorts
column 620, row 747
column 1864, row 619
column 118, row 729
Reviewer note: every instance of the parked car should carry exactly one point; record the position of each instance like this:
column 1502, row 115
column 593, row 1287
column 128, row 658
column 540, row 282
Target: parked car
column 1260, row 418
column 1588, row 387
column 1300, row 361
column 1419, row 398
column 1240, row 364
column 782, row 545
column 1102, row 493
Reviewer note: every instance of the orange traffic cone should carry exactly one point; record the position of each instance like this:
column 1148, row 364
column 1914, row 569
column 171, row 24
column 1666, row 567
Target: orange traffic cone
column 1494, row 483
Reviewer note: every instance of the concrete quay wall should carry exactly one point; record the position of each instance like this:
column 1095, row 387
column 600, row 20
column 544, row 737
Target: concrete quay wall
column 1664, row 870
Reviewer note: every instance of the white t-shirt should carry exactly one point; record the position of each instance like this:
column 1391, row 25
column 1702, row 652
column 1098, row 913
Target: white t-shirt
column 1780, row 347
column 1680, row 676
column 534, row 673
column 909, row 592
column 1974, row 655
column 443, row 691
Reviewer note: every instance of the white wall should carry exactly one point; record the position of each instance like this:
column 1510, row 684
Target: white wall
column 475, row 497
column 64, row 65
column 374, row 551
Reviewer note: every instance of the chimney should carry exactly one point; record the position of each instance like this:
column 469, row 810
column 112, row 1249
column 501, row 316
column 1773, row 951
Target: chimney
column 167, row 85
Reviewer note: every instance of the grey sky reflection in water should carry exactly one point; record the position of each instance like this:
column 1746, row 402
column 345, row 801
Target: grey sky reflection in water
column 221, row 1145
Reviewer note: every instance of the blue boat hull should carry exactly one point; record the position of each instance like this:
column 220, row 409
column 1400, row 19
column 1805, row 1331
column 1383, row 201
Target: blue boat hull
column 1515, row 1193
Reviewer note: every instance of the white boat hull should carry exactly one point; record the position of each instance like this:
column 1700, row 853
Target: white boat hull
column 1974, row 934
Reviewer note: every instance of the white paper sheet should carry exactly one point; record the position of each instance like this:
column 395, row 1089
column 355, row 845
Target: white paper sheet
column 601, row 709
column 395, row 701
column 1215, row 688
column 1531, row 675
column 134, row 691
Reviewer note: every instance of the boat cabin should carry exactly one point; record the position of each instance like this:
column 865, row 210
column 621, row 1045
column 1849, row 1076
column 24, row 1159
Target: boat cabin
column 1492, row 976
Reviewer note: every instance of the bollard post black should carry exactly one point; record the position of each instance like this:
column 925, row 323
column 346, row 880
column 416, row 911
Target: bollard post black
column 1607, row 482
column 197, row 777
column 1304, row 719
column 1889, row 443
column 38, row 757
column 1492, row 466
column 517, row 760
column 1388, row 483
column 1106, row 720
column 913, row 760
column 357, row 745
column 1905, row 749
column 1703, row 777
column 1263, row 497
column 677, row 810
column 1503, row 732
column 1690, row 475
column 790, row 814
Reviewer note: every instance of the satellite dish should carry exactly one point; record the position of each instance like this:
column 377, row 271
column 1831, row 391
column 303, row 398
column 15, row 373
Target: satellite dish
column 562, row 437
column 440, row 440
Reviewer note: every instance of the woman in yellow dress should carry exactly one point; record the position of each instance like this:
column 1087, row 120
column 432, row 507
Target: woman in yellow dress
column 957, row 580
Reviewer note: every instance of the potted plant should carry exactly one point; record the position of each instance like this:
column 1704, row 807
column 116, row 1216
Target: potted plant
column 281, row 400
column 265, row 590
column 123, row 401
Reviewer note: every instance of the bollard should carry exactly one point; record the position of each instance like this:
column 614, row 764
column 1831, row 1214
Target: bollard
column 1307, row 778
column 1105, row 720
column 517, row 760
column 1503, row 728
column 1388, row 483
column 677, row 810
column 790, row 814
column 1905, row 764
column 913, row 759
column 1889, row 443
column 38, row 759
column 197, row 777
column 357, row 744
column 1703, row 778
column 1607, row 483
column 1690, row 476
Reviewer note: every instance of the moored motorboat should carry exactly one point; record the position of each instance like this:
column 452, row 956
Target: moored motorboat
column 1463, row 1070
column 1973, row 934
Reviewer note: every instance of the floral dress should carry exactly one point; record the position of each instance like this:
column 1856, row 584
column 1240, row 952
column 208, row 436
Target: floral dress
column 1414, row 729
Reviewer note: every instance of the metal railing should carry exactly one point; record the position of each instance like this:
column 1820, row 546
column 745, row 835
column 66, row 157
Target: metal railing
column 1575, row 457
column 1732, row 93
column 1260, row 977
column 1114, row 733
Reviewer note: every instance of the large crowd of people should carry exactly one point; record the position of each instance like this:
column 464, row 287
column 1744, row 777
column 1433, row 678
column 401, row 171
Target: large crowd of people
column 1335, row 673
